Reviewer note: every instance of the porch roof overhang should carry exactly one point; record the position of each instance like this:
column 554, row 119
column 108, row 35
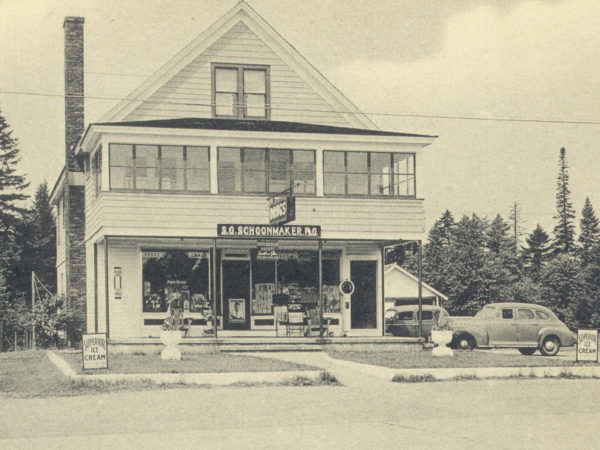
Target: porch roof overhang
column 250, row 129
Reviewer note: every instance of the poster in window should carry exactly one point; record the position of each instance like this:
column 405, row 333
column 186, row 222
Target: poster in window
column 237, row 310
column 263, row 298
column 177, row 293
column 331, row 298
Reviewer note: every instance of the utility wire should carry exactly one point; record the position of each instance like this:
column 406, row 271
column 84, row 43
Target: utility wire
column 360, row 113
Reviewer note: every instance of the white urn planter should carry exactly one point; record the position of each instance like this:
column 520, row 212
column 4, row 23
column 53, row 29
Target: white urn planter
column 170, row 338
column 441, row 338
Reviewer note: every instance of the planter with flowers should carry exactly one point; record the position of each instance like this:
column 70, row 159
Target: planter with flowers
column 441, row 335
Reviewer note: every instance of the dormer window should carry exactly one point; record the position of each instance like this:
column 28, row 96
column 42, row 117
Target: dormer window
column 240, row 91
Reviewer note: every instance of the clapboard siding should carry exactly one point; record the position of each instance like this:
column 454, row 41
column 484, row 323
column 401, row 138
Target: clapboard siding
column 188, row 93
column 125, row 313
column 198, row 215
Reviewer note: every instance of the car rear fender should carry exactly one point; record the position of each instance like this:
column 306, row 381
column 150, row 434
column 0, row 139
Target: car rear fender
column 478, row 333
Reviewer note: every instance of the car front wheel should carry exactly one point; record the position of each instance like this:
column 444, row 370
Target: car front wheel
column 550, row 346
column 527, row 351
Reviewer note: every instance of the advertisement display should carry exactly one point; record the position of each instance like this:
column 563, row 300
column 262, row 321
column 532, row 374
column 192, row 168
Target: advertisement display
column 94, row 351
column 587, row 345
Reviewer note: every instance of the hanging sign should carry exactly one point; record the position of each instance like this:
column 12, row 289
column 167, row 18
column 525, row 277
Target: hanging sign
column 279, row 231
column 117, row 283
column 587, row 345
column 347, row 287
column 95, row 352
column 282, row 210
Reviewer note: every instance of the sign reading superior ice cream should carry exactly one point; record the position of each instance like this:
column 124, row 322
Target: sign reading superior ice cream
column 95, row 353
column 587, row 345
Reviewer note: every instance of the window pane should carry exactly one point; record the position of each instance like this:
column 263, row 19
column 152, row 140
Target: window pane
column 171, row 179
column 146, row 159
column 229, row 170
column 255, row 105
column 279, row 170
column 333, row 161
column 121, row 166
column 507, row 313
column 254, row 170
column 197, row 157
column 225, row 104
column 524, row 314
column 358, row 184
column 121, row 155
column 172, row 157
column 254, row 82
column 226, row 80
column 404, row 174
column 197, row 180
column 334, row 183
column 121, row 178
column 304, row 171
column 380, row 173
column 357, row 162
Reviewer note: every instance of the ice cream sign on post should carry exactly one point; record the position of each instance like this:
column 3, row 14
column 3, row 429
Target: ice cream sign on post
column 95, row 353
column 587, row 345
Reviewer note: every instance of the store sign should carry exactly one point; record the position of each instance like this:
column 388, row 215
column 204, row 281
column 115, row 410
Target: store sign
column 280, row 231
column 587, row 345
column 282, row 211
column 267, row 250
column 347, row 287
column 95, row 352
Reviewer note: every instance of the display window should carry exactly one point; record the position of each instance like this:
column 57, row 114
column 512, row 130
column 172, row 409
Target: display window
column 178, row 278
column 292, row 278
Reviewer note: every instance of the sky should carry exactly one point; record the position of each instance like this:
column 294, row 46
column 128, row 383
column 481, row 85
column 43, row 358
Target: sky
column 448, row 68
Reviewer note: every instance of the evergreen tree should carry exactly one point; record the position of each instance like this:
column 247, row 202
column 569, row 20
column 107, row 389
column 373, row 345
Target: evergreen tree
column 11, row 184
column 564, row 231
column 563, row 291
column 498, row 238
column 537, row 252
column 589, row 235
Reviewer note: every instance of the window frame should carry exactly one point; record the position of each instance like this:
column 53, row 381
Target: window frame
column 241, row 108
column 267, row 170
column 368, row 172
column 185, row 169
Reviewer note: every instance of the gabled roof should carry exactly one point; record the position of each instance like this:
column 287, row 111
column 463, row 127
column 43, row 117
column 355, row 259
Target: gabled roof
column 257, row 125
column 396, row 267
column 243, row 12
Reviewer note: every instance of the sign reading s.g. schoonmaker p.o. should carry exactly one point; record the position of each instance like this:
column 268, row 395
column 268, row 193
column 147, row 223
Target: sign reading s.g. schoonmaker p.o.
column 95, row 353
column 280, row 231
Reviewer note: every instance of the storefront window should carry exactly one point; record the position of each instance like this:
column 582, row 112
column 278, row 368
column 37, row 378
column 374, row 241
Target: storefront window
column 292, row 277
column 176, row 276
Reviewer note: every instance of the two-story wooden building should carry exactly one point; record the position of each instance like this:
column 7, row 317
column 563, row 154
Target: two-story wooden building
column 178, row 184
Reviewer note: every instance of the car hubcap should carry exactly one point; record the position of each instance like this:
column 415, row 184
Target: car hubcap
column 550, row 346
column 464, row 344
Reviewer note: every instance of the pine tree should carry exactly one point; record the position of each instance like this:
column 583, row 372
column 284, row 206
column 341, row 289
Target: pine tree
column 589, row 235
column 11, row 184
column 564, row 231
column 537, row 252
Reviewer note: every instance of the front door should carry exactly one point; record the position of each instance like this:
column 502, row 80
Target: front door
column 363, row 302
column 236, row 294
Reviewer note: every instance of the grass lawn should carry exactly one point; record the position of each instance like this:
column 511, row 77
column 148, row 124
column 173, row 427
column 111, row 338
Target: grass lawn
column 31, row 374
column 462, row 359
column 190, row 363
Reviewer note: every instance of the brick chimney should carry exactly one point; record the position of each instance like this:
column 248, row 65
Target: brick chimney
column 74, row 121
column 74, row 191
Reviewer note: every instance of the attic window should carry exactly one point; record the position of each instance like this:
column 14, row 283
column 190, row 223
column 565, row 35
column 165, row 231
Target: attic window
column 241, row 91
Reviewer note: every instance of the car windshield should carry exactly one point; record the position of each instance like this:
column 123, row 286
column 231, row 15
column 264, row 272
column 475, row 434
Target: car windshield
column 486, row 313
